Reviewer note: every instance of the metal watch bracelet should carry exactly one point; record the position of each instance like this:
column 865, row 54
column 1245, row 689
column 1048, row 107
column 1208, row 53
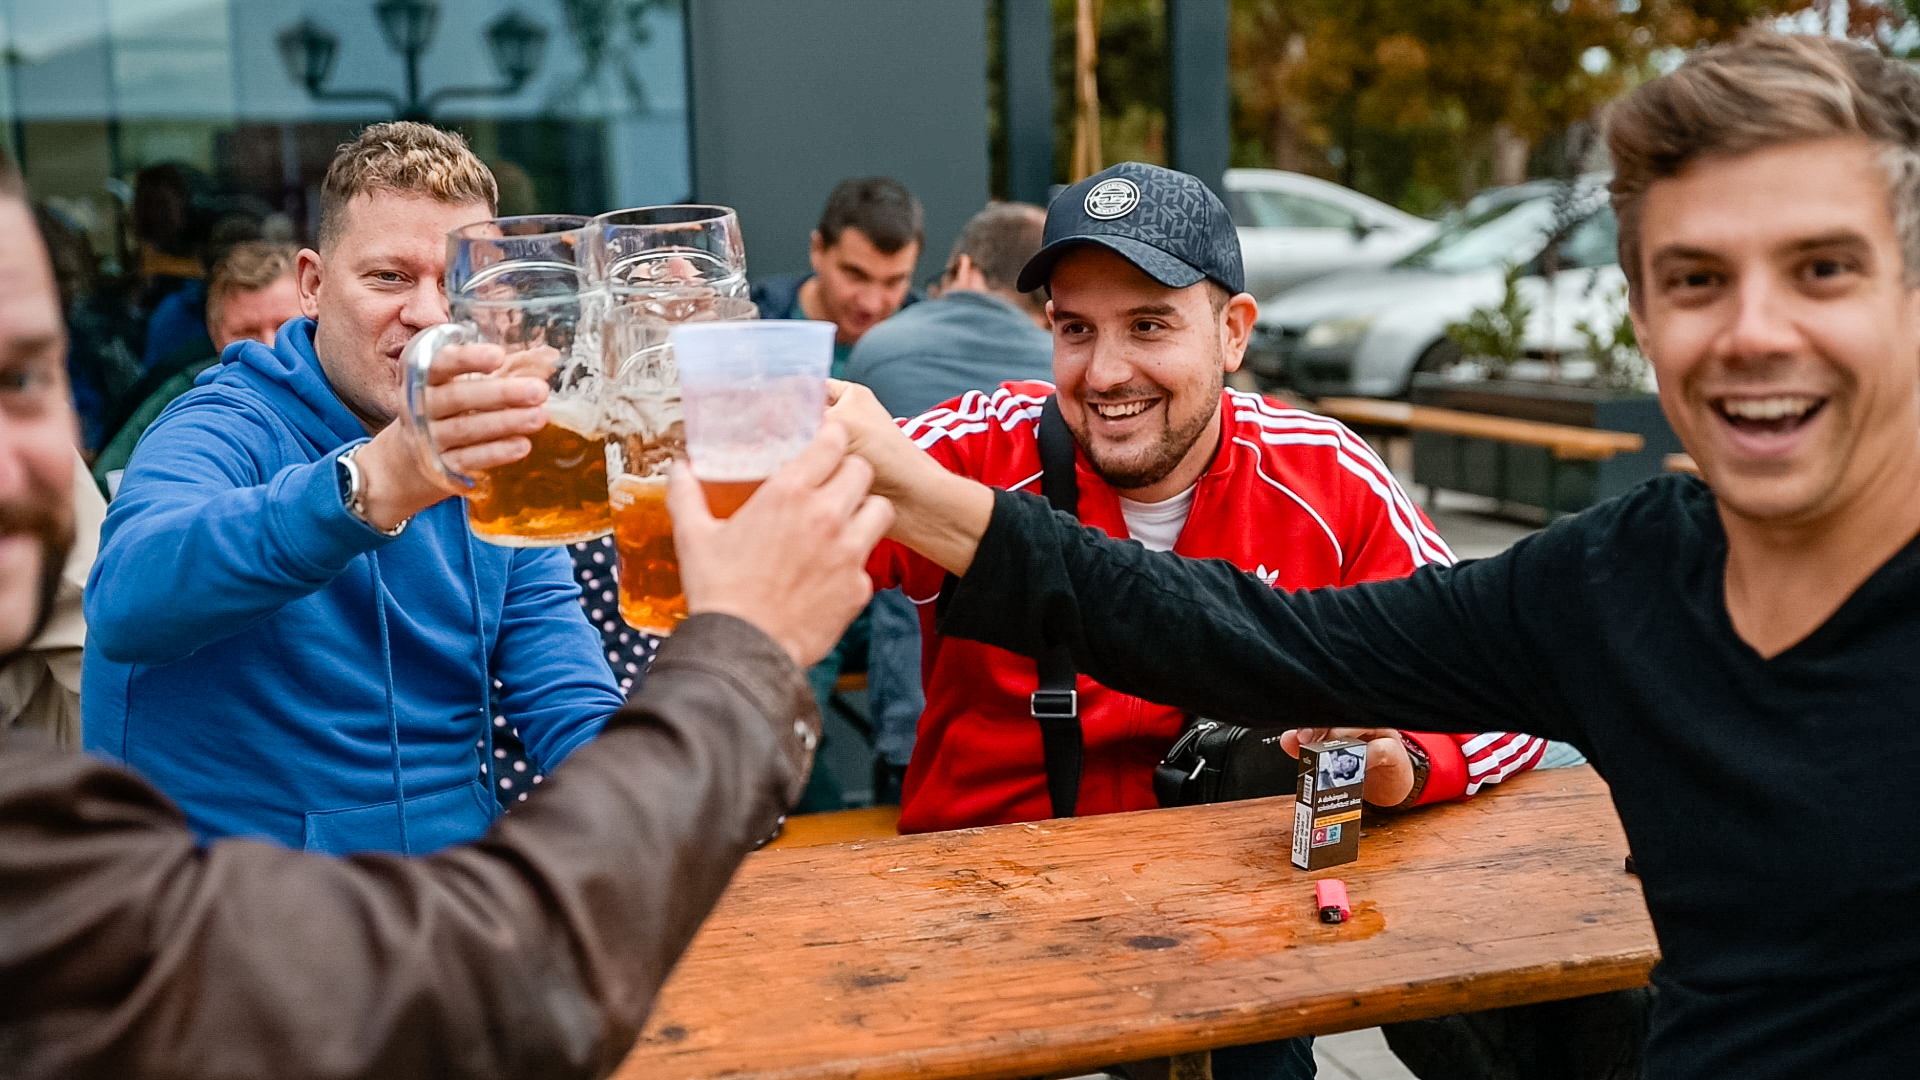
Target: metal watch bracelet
column 354, row 494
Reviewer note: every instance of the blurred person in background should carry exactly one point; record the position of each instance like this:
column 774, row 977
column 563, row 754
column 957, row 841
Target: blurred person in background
column 863, row 253
column 251, row 293
column 104, row 326
column 173, row 220
column 980, row 332
column 133, row 952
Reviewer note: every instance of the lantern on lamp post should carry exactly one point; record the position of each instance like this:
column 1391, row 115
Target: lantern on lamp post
column 515, row 44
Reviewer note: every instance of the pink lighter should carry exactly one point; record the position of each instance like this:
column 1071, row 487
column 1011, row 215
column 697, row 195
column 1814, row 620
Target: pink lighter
column 1330, row 896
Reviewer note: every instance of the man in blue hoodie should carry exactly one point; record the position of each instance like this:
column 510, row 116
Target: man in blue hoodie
column 292, row 631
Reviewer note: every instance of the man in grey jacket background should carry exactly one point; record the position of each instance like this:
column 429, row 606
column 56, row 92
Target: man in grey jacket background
column 981, row 331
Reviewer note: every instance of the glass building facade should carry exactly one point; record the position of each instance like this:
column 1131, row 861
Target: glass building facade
column 148, row 129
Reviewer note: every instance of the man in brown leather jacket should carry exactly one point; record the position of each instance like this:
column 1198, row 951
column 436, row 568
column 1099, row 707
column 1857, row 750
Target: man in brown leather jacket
column 126, row 950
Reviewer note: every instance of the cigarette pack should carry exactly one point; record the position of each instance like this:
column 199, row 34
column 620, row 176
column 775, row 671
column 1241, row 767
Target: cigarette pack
column 1326, row 821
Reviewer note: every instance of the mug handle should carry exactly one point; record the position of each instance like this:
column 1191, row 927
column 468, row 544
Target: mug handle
column 416, row 362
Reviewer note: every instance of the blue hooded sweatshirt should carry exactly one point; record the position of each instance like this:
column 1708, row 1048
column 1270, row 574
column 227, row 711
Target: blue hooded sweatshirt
column 284, row 671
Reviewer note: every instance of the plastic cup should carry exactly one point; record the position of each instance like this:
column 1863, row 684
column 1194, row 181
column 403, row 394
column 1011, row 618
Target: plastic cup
column 753, row 394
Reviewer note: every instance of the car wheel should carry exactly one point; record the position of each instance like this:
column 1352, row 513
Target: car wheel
column 1437, row 358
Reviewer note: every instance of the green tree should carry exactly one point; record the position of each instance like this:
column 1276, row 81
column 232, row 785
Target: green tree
column 1417, row 102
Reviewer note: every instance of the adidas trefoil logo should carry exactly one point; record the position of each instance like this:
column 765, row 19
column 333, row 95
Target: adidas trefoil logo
column 1265, row 575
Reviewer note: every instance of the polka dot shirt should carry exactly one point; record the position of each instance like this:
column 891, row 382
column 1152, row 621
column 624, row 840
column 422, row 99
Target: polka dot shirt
column 628, row 652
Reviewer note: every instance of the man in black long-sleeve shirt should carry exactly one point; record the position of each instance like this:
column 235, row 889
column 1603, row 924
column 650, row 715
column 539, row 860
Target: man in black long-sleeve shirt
column 1740, row 659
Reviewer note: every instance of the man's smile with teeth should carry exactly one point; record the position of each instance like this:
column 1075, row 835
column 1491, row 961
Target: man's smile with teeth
column 1774, row 412
column 1120, row 411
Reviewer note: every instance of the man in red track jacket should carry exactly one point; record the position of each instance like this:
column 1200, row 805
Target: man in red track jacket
column 1145, row 275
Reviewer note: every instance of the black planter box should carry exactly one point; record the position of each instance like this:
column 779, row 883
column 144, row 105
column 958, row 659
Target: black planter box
column 1519, row 474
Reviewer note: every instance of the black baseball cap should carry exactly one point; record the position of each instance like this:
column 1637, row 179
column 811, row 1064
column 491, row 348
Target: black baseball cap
column 1167, row 223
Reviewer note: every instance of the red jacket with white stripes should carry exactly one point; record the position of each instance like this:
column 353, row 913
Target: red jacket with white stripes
column 1291, row 496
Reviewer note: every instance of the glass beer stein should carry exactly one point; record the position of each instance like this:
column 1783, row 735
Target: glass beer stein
column 524, row 284
column 663, row 266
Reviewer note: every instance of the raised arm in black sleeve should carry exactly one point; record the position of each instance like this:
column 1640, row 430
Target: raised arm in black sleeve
column 127, row 950
column 1447, row 649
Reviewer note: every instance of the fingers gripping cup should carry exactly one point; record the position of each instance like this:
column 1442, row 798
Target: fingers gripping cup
column 523, row 284
column 662, row 265
column 754, row 394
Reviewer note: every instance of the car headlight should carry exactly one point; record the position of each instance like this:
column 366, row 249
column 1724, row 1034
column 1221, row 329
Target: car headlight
column 1333, row 333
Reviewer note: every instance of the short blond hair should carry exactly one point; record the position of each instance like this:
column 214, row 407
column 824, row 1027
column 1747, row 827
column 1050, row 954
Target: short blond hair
column 1761, row 90
column 249, row 267
column 405, row 158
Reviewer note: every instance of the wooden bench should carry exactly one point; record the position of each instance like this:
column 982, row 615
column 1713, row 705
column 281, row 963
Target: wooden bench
column 838, row 827
column 1566, row 443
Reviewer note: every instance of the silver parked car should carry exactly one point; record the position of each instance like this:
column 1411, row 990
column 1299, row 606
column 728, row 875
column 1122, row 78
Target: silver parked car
column 1367, row 332
column 1294, row 228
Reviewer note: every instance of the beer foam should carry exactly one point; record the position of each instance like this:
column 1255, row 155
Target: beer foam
column 736, row 464
column 629, row 412
column 576, row 414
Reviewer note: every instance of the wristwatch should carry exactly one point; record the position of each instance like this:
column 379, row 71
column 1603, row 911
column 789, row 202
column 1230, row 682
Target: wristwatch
column 353, row 493
column 1421, row 769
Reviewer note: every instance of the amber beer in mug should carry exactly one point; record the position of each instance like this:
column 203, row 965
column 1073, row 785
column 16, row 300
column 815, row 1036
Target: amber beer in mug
column 663, row 265
column 651, row 599
column 557, row 494
column 523, row 284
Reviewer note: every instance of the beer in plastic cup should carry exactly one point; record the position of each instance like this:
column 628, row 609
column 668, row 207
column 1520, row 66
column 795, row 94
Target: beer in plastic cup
column 753, row 395
column 522, row 283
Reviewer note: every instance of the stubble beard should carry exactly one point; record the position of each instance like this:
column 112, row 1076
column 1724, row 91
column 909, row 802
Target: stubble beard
column 1158, row 461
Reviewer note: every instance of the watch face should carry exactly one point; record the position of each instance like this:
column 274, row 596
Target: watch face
column 345, row 476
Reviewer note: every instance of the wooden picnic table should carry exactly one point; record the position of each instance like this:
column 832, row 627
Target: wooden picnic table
column 1056, row 946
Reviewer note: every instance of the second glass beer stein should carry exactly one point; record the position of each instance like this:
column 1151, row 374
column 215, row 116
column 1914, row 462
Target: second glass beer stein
column 662, row 266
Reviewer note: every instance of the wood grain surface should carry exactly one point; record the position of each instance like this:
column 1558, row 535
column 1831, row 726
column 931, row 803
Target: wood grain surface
column 1036, row 949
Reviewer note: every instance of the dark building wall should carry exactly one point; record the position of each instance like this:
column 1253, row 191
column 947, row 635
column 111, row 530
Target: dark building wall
column 792, row 96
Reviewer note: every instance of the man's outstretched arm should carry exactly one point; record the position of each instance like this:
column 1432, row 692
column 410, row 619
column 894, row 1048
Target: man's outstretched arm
column 536, row 951
column 1448, row 649
column 127, row 950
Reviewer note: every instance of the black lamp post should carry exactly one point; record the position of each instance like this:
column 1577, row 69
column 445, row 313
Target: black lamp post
column 515, row 44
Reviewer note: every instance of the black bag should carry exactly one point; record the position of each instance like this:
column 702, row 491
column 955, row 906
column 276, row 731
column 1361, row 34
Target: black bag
column 1214, row 761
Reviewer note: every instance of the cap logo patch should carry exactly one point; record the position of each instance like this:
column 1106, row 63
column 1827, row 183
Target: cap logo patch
column 1113, row 198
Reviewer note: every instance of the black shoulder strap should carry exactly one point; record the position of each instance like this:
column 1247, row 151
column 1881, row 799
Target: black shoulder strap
column 1056, row 705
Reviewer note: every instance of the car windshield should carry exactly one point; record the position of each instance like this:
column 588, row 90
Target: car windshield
column 1490, row 240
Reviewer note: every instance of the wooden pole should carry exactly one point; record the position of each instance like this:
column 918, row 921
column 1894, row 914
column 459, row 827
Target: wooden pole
column 1086, row 90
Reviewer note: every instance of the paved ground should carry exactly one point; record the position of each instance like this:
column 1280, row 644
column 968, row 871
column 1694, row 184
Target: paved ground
column 1357, row 1055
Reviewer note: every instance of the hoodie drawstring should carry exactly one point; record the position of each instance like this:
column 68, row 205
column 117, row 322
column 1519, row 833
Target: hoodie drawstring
column 393, row 715
column 486, row 676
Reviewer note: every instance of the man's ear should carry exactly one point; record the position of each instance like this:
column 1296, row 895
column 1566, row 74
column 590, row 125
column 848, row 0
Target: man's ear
column 817, row 251
column 306, row 273
column 1236, row 328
